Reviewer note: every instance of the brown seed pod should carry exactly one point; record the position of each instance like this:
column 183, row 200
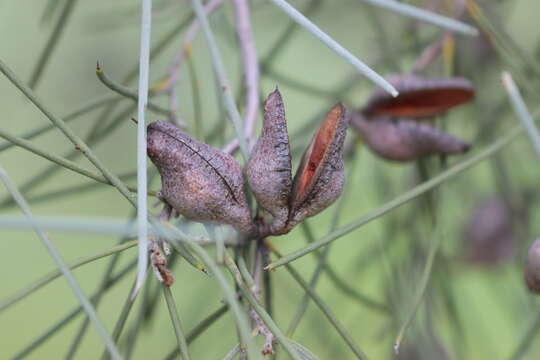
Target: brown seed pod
column 419, row 96
column 532, row 268
column 401, row 139
column 489, row 236
column 320, row 177
column 269, row 166
column 198, row 181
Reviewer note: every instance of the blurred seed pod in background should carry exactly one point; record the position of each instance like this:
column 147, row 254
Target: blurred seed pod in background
column 489, row 235
column 532, row 268
column 425, row 349
column 269, row 169
column 386, row 124
column 200, row 182
column 401, row 139
column 419, row 97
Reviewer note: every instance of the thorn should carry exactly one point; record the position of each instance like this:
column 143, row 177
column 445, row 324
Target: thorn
column 98, row 67
column 134, row 120
column 269, row 267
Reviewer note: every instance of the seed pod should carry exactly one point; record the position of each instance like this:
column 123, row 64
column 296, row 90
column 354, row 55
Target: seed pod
column 489, row 236
column 319, row 179
column 269, row 166
column 198, row 181
column 419, row 96
column 532, row 269
column 401, row 139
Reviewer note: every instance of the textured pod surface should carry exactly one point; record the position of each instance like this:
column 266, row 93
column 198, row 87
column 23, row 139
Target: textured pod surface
column 400, row 139
column 489, row 235
column 532, row 268
column 200, row 182
column 269, row 167
column 320, row 177
column 419, row 96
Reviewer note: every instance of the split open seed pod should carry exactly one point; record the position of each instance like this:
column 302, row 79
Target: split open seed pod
column 319, row 178
column 269, row 169
column 532, row 268
column 419, row 97
column 200, row 182
column 387, row 124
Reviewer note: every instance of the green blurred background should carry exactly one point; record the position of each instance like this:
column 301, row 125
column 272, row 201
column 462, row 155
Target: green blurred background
column 494, row 309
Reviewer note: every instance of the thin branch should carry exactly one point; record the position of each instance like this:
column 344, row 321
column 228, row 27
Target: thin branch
column 70, row 165
column 76, row 140
column 219, row 69
column 185, row 51
column 142, row 182
column 335, row 46
column 122, row 318
column 521, row 110
column 245, row 284
column 73, row 314
column 425, row 16
column 173, row 312
column 38, row 284
column 199, row 329
column 251, row 65
column 324, row 308
column 111, row 347
column 91, row 105
column 126, row 92
column 52, row 42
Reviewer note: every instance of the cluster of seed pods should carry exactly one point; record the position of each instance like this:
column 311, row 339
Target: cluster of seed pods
column 390, row 126
column 205, row 184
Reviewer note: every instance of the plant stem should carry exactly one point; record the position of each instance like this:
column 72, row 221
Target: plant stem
column 61, row 125
column 110, row 345
column 173, row 312
column 219, row 70
column 425, row 16
column 38, row 284
column 52, row 42
column 335, row 46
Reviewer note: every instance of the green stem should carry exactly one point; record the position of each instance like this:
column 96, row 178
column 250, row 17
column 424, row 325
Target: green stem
column 324, row 308
column 173, row 312
column 91, row 105
column 127, row 92
column 110, row 345
column 52, row 42
column 245, row 283
column 62, row 161
column 76, row 140
column 38, row 284
column 219, row 70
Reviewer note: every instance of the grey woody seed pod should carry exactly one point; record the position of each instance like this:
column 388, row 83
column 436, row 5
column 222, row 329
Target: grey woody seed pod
column 200, row 182
column 269, row 166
